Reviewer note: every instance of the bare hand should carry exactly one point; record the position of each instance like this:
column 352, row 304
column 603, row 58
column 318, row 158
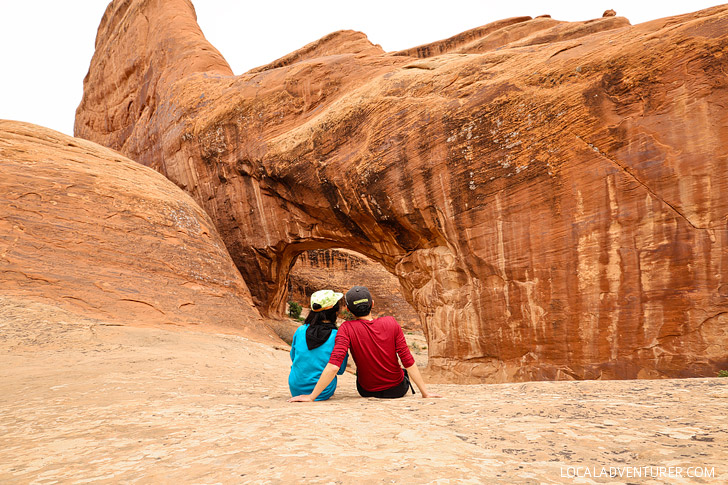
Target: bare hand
column 302, row 398
column 430, row 395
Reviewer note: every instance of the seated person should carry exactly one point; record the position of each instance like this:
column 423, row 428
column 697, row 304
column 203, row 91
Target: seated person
column 312, row 345
column 375, row 345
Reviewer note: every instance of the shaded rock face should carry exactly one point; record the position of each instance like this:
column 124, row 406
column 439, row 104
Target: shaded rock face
column 340, row 270
column 550, row 195
column 85, row 227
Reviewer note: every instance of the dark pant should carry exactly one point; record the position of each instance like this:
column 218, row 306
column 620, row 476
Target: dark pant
column 393, row 392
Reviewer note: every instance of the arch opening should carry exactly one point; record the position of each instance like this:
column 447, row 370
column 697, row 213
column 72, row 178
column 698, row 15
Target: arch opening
column 339, row 269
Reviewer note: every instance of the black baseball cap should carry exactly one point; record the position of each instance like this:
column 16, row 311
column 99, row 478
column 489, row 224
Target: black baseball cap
column 359, row 301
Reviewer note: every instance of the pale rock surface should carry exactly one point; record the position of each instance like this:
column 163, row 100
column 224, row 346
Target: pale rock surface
column 551, row 195
column 85, row 402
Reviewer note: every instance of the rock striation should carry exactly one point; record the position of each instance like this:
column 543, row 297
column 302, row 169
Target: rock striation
column 86, row 228
column 551, row 195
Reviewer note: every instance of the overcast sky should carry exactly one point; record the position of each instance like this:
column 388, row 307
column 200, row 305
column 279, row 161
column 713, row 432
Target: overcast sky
column 47, row 44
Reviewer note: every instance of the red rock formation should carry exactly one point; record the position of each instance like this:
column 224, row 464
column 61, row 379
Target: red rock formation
column 340, row 270
column 514, row 32
column 549, row 194
column 86, row 228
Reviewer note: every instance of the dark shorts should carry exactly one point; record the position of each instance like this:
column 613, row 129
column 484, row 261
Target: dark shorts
column 393, row 392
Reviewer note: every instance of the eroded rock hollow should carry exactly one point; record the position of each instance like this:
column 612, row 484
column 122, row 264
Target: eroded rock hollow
column 551, row 195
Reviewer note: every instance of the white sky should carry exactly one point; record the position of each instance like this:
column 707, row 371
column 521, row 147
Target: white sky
column 47, row 44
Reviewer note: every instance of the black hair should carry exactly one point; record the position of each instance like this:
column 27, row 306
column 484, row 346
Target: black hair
column 324, row 316
column 361, row 310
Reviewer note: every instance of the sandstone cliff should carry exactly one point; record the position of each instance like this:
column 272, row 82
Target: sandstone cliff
column 86, row 228
column 551, row 195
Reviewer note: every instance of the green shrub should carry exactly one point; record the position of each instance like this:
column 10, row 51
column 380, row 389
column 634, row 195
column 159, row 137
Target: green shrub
column 294, row 310
column 723, row 373
column 346, row 315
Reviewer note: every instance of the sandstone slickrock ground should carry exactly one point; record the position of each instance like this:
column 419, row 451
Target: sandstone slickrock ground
column 86, row 401
column 86, row 228
column 551, row 195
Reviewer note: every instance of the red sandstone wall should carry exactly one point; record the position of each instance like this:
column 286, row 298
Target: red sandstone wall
column 551, row 195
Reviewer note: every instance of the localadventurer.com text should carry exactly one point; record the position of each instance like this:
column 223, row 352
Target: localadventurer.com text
column 664, row 472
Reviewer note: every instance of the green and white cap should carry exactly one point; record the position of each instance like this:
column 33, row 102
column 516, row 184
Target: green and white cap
column 324, row 299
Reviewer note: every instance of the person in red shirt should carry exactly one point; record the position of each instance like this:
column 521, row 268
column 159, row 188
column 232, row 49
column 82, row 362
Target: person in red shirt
column 375, row 346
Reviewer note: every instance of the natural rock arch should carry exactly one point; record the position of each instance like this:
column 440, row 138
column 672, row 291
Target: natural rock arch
column 550, row 194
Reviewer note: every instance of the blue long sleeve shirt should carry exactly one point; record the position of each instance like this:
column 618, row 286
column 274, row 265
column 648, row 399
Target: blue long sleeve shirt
column 307, row 365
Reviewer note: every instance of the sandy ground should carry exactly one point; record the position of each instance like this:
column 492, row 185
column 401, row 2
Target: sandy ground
column 82, row 401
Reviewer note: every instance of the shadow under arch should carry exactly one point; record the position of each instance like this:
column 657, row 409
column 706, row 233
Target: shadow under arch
column 339, row 269
column 290, row 255
column 286, row 260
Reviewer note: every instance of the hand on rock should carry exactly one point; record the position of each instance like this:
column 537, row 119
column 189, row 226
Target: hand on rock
column 430, row 395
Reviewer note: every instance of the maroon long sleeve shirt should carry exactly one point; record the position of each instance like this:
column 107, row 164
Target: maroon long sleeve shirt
column 375, row 345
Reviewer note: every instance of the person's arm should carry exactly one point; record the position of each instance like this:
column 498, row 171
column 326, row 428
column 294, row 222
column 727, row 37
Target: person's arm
column 400, row 346
column 327, row 376
column 416, row 377
column 409, row 362
column 343, row 365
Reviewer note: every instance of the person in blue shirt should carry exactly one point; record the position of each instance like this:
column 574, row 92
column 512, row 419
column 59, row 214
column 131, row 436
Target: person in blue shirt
column 312, row 345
